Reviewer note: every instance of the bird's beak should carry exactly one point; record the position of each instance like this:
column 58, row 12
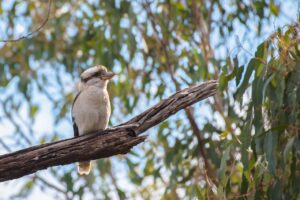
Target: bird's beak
column 108, row 75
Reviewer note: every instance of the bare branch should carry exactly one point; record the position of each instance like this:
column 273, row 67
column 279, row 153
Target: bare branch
column 34, row 31
column 5, row 146
column 50, row 185
column 113, row 141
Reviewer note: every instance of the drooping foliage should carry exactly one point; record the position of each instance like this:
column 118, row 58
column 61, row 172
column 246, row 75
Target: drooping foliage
column 242, row 143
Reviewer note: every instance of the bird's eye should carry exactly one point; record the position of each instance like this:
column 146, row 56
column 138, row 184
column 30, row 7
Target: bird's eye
column 98, row 74
column 101, row 72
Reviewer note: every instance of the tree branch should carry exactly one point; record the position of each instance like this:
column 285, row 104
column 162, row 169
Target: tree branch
column 34, row 31
column 101, row 144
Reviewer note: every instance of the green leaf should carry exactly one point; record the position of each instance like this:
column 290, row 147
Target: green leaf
column 33, row 110
column 245, row 82
column 68, row 179
column 26, row 189
column 225, row 157
column 260, row 56
column 239, row 73
column 274, row 8
column 275, row 191
column 149, row 167
column 287, row 149
column 246, row 141
column 257, row 98
column 121, row 194
column 198, row 192
column 245, row 184
column 270, row 144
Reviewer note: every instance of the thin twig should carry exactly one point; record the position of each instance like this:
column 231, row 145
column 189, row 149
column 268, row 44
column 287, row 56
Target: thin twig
column 16, row 125
column 114, row 180
column 5, row 146
column 52, row 186
column 34, row 31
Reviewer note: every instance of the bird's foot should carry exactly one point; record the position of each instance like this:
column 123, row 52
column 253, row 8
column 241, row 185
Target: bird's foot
column 132, row 132
column 130, row 127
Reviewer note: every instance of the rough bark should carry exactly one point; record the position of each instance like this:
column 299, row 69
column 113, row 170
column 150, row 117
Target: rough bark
column 117, row 140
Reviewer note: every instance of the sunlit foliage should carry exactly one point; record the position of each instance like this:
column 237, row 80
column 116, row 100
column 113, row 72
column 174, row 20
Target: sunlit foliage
column 242, row 143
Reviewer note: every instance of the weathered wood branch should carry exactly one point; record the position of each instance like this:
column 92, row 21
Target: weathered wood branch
column 116, row 140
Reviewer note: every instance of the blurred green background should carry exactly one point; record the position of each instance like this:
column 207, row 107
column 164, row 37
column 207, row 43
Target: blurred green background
column 243, row 143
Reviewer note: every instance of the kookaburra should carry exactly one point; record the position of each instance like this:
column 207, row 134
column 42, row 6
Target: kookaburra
column 91, row 106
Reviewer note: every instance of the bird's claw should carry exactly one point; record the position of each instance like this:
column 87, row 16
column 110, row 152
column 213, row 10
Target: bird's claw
column 130, row 127
column 132, row 132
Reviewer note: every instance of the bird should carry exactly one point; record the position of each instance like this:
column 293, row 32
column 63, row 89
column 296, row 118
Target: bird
column 91, row 106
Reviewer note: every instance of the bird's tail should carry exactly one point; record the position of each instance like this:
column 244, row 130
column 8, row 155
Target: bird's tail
column 84, row 167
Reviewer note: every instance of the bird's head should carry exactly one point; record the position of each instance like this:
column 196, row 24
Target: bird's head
column 97, row 75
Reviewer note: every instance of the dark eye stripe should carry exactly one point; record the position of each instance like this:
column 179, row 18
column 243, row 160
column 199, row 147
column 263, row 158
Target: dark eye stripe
column 98, row 73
